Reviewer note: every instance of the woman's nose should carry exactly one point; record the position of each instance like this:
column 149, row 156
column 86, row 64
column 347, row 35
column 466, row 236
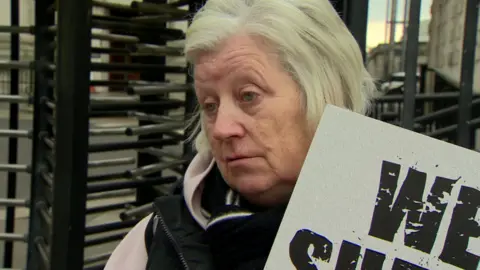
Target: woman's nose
column 227, row 124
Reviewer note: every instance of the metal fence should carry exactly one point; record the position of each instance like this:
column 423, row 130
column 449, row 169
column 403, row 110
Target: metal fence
column 447, row 107
column 82, row 170
column 25, row 82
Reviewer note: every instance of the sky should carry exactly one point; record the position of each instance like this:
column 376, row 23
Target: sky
column 377, row 14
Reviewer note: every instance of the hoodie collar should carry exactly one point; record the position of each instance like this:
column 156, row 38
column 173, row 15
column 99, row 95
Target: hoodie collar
column 193, row 185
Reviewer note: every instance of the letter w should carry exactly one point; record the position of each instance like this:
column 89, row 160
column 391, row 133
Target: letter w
column 423, row 218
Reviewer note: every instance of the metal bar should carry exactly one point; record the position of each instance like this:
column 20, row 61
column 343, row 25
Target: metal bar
column 180, row 3
column 48, row 178
column 14, row 168
column 155, row 117
column 8, row 65
column 177, row 135
column 151, row 129
column 136, row 105
column 111, row 194
column 137, row 211
column 422, row 97
column 153, row 19
column 153, row 168
column 357, row 17
column 16, row 29
column 15, row 133
column 13, row 237
column 105, row 36
column 153, row 8
column 115, row 37
column 116, row 83
column 410, row 88
column 391, row 43
column 111, row 162
column 97, row 258
column 39, row 192
column 115, row 100
column 112, row 6
column 50, row 104
column 42, row 249
column 467, row 74
column 111, row 51
column 12, row 141
column 105, row 239
column 44, row 214
column 105, row 177
column 128, row 145
column 406, row 7
column 164, row 33
column 112, row 226
column 14, row 99
column 107, row 131
column 109, row 67
column 474, row 123
column 109, row 207
column 442, row 112
column 110, row 18
column 14, row 203
column 107, row 113
column 161, row 153
column 159, row 89
column 49, row 142
column 442, row 131
column 71, row 156
column 158, row 50
column 128, row 184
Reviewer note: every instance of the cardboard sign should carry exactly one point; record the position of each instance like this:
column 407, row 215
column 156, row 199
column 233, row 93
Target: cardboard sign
column 374, row 196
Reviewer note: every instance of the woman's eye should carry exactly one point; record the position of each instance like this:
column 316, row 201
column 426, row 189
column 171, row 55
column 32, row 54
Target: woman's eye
column 210, row 107
column 248, row 96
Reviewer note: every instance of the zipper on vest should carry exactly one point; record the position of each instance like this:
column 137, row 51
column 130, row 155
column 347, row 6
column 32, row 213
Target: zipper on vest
column 172, row 241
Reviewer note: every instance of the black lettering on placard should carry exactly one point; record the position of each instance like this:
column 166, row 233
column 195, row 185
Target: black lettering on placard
column 399, row 264
column 372, row 260
column 423, row 219
column 348, row 256
column 462, row 227
column 299, row 247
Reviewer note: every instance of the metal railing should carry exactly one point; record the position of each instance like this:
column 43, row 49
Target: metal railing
column 98, row 161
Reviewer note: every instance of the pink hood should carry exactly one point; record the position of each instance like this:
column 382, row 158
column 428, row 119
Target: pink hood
column 131, row 254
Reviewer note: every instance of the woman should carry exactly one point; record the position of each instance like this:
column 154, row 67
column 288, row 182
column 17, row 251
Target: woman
column 263, row 72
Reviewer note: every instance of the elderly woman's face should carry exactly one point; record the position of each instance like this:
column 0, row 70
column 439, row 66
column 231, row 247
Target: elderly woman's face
column 253, row 119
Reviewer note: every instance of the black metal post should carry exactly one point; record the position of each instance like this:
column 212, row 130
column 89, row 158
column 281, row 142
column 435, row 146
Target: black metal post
column 410, row 88
column 356, row 18
column 12, row 141
column 72, row 124
column 464, row 136
column 41, row 128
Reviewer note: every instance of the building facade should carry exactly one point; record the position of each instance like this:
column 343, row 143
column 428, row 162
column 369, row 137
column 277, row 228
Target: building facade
column 446, row 40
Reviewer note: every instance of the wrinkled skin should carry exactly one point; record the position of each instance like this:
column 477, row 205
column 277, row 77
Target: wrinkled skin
column 254, row 119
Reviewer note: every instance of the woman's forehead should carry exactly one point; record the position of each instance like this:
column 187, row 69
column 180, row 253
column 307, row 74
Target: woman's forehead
column 237, row 54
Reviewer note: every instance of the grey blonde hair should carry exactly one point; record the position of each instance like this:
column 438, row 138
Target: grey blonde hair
column 312, row 42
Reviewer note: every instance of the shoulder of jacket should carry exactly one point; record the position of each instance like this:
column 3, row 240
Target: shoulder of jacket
column 122, row 258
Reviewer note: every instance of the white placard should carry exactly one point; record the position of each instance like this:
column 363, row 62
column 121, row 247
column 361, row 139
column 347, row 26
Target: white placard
column 374, row 196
